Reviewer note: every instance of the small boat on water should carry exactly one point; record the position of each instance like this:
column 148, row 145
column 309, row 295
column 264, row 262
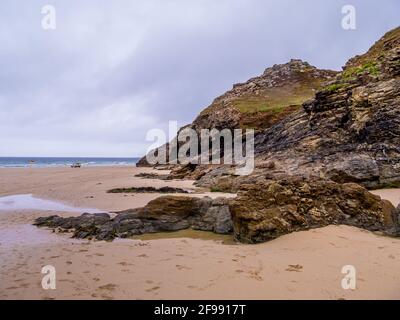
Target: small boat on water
column 76, row 165
column 32, row 161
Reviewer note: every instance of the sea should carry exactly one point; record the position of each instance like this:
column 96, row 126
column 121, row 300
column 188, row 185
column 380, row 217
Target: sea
column 38, row 162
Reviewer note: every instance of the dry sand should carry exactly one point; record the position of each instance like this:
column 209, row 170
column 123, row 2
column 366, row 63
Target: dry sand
column 183, row 265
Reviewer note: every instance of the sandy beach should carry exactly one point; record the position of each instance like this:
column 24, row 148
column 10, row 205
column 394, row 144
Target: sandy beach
column 182, row 265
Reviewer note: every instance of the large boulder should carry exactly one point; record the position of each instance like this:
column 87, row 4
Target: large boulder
column 267, row 210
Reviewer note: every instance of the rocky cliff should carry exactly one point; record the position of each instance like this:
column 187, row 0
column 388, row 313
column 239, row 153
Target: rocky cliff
column 348, row 132
column 264, row 100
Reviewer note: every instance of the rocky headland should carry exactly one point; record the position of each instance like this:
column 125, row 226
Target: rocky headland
column 322, row 139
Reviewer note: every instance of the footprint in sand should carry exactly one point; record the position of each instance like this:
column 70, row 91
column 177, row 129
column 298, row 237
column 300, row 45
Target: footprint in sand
column 294, row 268
column 255, row 275
column 143, row 255
column 153, row 289
column 142, row 244
column 391, row 256
column 181, row 267
column 109, row 287
column 66, row 280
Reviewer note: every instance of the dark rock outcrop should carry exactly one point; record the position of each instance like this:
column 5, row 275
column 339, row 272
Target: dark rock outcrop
column 146, row 175
column 142, row 162
column 148, row 190
column 167, row 213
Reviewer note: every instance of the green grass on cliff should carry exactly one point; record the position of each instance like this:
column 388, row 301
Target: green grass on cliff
column 367, row 62
column 369, row 67
column 333, row 87
column 274, row 100
column 252, row 105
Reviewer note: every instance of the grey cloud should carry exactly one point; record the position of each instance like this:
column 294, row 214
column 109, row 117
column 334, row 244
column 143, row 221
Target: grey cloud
column 114, row 69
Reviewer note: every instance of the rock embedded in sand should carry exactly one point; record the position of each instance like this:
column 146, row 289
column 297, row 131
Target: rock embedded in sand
column 146, row 175
column 148, row 190
column 267, row 210
column 167, row 213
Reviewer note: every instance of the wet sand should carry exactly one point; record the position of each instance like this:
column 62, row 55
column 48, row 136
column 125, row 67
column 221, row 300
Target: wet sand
column 183, row 265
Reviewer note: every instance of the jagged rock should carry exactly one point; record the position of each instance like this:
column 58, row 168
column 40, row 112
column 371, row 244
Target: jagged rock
column 264, row 100
column 83, row 226
column 148, row 190
column 146, row 175
column 142, row 162
column 267, row 210
column 168, row 213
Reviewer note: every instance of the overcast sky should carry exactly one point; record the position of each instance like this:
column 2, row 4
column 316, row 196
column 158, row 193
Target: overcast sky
column 112, row 70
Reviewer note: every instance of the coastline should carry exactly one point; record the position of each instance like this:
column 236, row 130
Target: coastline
column 64, row 162
column 186, row 265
